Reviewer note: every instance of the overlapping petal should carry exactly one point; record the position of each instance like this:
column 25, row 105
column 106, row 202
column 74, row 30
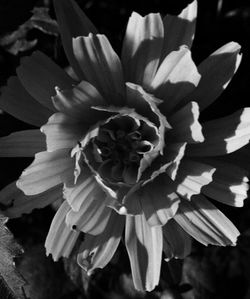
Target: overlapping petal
column 144, row 246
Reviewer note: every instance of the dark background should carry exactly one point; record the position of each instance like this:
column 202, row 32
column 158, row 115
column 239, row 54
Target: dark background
column 210, row 272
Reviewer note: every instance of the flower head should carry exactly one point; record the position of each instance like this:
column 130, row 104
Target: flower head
column 123, row 142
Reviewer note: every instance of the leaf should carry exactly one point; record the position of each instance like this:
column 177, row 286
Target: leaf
column 16, row 41
column 11, row 281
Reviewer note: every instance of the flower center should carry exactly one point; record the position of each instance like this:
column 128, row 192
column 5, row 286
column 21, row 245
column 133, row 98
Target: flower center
column 120, row 146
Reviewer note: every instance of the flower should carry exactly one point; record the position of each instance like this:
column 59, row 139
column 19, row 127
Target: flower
column 123, row 143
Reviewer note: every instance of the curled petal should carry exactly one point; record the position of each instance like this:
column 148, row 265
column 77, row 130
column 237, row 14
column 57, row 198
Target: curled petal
column 176, row 242
column 216, row 73
column 144, row 246
column 101, row 66
column 97, row 251
column 229, row 185
column 205, row 223
column 47, row 170
column 61, row 131
column 192, row 176
column 19, row 103
column 77, row 102
column 142, row 48
column 232, row 133
column 39, row 75
column 14, row 203
column 179, row 30
column 60, row 239
column 22, row 144
column 176, row 77
column 72, row 23
column 185, row 124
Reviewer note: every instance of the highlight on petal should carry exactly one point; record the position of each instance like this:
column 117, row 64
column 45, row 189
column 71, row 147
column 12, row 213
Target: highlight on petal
column 46, row 171
column 39, row 75
column 78, row 101
column 144, row 246
column 176, row 242
column 185, row 124
column 191, row 177
column 61, row 131
column 229, row 185
column 14, row 203
column 232, row 133
column 142, row 48
column 179, row 30
column 157, row 199
column 205, row 223
column 97, row 251
column 101, row 66
column 16, row 101
column 93, row 215
column 22, row 144
column 176, row 77
column 61, row 239
column 216, row 73
column 72, row 23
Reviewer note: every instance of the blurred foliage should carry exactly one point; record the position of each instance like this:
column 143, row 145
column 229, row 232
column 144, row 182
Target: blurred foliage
column 210, row 272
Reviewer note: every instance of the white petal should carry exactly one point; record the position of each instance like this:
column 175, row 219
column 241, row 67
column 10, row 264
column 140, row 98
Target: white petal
column 22, row 144
column 142, row 48
column 72, row 23
column 101, row 66
column 179, row 30
column 216, row 73
column 144, row 246
column 185, row 124
column 232, row 133
column 192, row 176
column 62, row 131
column 60, row 239
column 97, row 251
column 204, row 222
column 176, row 77
column 46, row 171
column 14, row 203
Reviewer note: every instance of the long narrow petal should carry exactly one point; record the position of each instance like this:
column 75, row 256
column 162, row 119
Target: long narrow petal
column 16, row 101
column 62, row 131
column 144, row 246
column 142, row 48
column 14, row 203
column 185, row 124
column 192, row 176
column 101, row 66
column 93, row 214
column 22, row 144
column 97, row 251
column 176, row 242
column 83, row 191
column 60, row 239
column 176, row 77
column 229, row 185
column 204, row 222
column 216, row 73
column 40, row 75
column 179, row 30
column 77, row 102
column 72, row 23
column 47, row 170
column 232, row 133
